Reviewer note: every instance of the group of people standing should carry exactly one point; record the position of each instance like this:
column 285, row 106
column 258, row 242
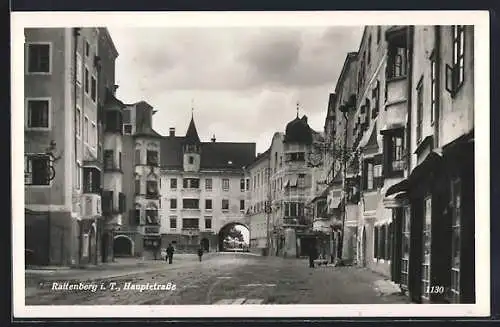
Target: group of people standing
column 170, row 253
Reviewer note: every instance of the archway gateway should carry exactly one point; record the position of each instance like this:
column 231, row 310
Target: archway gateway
column 230, row 240
column 123, row 246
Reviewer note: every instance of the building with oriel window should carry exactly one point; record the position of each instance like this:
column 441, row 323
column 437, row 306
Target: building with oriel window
column 63, row 143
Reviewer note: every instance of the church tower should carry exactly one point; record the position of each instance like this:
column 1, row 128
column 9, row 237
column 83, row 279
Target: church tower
column 192, row 148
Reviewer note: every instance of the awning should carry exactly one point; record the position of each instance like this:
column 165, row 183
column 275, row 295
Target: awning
column 402, row 186
column 391, row 127
column 396, row 200
column 368, row 136
column 430, row 163
column 322, row 195
column 286, row 183
column 293, row 180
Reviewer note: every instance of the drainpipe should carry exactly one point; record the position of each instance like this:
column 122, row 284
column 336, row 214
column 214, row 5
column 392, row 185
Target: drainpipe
column 76, row 33
column 409, row 42
column 437, row 58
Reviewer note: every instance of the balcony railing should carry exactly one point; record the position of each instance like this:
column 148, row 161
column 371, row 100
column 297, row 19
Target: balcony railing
column 295, row 221
column 152, row 195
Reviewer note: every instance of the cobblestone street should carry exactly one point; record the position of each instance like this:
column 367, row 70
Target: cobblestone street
column 220, row 279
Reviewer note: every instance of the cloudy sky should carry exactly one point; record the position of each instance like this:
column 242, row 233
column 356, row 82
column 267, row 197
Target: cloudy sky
column 244, row 82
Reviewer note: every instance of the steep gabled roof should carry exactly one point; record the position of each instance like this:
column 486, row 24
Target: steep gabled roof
column 192, row 134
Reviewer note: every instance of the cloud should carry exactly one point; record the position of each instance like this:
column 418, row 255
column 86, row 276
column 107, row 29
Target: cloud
column 245, row 82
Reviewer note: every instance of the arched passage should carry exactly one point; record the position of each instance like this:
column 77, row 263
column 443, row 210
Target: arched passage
column 230, row 241
column 123, row 246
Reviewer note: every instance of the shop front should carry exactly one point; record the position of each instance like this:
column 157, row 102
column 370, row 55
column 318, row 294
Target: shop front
column 433, row 214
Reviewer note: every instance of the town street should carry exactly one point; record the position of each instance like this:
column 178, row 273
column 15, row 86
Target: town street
column 222, row 278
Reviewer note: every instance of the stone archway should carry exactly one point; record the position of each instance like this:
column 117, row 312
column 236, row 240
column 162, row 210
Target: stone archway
column 223, row 233
column 123, row 246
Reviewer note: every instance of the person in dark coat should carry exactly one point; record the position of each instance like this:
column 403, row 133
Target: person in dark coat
column 313, row 254
column 170, row 253
column 200, row 253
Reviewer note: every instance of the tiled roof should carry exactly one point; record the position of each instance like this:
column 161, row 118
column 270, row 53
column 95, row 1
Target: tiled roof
column 214, row 155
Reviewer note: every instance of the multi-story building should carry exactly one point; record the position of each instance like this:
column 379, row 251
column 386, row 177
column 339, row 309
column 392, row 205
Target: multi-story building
column 204, row 190
column 406, row 192
column 259, row 196
column 135, row 168
column 291, row 183
column 63, row 162
column 435, row 201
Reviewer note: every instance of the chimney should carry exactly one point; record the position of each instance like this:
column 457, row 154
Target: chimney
column 213, row 139
column 114, row 88
column 171, row 131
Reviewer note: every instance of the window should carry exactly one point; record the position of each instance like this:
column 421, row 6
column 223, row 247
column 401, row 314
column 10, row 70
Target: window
column 151, row 189
column 86, row 130
column 369, row 49
column 173, row 203
column 191, row 183
column 93, row 89
column 379, row 34
column 242, row 185
column 208, row 184
column 152, row 158
column 301, row 180
column 190, row 223
column 137, row 156
column 91, row 180
column 208, row 204
column 376, row 99
column 294, row 156
column 137, row 215
column 79, row 69
column 225, row 184
column 225, row 204
column 247, row 184
column 456, row 214
column 109, row 159
column 396, row 62
column 376, row 243
column 87, row 80
column 420, row 109
column 78, row 122
column 93, row 135
column 434, row 87
column 208, row 223
column 242, row 205
column 190, row 203
column 37, row 170
column 38, row 114
column 173, row 183
column 87, row 48
column 127, row 129
column 405, row 255
column 455, row 74
column 78, row 176
column 426, row 247
column 126, row 116
column 191, row 160
column 173, row 222
column 368, row 175
column 152, row 217
column 39, row 58
column 138, row 185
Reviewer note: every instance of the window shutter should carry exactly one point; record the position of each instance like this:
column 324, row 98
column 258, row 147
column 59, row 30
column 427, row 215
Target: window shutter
column 365, row 174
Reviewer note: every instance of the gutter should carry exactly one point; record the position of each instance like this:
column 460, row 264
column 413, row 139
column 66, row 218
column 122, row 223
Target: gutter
column 409, row 42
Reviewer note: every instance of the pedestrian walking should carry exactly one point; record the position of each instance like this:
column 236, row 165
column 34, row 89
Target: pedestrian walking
column 200, row 253
column 313, row 254
column 170, row 253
